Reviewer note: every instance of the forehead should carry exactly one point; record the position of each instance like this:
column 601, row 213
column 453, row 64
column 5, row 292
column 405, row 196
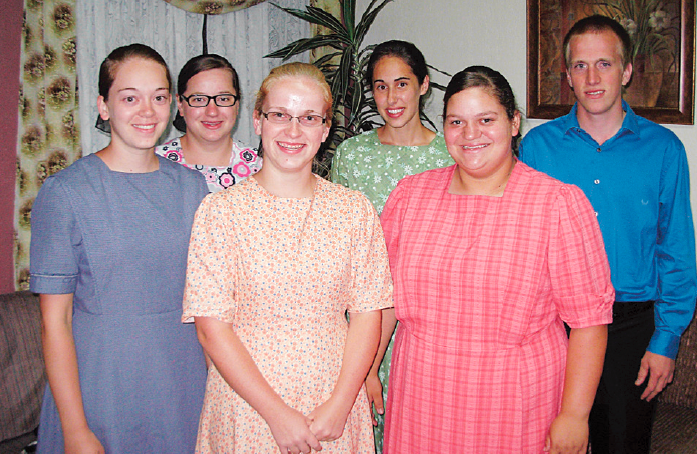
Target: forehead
column 391, row 67
column 139, row 73
column 473, row 100
column 296, row 92
column 216, row 78
column 595, row 45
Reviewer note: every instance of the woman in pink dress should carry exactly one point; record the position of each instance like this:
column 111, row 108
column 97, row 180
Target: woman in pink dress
column 275, row 262
column 489, row 258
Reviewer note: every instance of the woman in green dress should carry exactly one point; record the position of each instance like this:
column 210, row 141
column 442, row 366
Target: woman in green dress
column 375, row 161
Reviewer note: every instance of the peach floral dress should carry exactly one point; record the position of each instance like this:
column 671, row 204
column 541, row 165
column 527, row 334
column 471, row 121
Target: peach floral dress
column 283, row 272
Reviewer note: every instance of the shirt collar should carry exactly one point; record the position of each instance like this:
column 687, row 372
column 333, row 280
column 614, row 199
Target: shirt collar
column 629, row 123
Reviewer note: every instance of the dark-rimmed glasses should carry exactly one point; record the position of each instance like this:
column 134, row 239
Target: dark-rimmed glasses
column 224, row 100
column 305, row 120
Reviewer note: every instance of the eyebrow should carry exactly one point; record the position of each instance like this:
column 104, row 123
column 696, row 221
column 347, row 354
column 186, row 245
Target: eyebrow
column 137, row 89
column 397, row 79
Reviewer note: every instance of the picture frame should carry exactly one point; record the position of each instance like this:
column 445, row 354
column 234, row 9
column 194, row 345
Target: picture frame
column 662, row 85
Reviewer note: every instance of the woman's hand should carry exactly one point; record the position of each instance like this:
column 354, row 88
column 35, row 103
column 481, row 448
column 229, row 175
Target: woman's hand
column 328, row 420
column 82, row 442
column 568, row 434
column 291, row 430
column 373, row 387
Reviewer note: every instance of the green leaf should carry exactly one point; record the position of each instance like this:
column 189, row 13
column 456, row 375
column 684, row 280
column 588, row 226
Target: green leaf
column 348, row 13
column 367, row 20
column 305, row 44
column 330, row 22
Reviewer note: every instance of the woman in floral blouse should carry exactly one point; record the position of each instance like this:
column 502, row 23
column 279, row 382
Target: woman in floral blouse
column 208, row 100
column 375, row 161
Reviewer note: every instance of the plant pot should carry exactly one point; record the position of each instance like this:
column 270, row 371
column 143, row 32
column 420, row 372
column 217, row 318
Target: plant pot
column 645, row 86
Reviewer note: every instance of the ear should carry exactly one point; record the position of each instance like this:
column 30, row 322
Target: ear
column 179, row 104
column 257, row 123
column 627, row 74
column 515, row 124
column 424, row 85
column 568, row 79
column 325, row 134
column 102, row 108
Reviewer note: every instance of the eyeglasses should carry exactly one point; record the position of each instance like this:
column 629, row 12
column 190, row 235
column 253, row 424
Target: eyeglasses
column 224, row 100
column 305, row 120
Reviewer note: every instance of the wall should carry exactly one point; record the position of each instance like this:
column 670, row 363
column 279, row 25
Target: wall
column 10, row 35
column 458, row 33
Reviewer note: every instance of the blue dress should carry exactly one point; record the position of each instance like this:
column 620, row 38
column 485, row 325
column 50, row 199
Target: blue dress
column 118, row 242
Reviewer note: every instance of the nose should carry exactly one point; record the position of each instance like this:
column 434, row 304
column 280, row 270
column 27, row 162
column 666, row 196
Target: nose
column 592, row 76
column 211, row 108
column 391, row 96
column 146, row 108
column 470, row 130
column 294, row 128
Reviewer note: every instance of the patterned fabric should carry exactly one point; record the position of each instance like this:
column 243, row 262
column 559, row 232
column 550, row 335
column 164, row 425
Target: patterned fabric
column 98, row 234
column 244, row 161
column 482, row 285
column 284, row 272
column 48, row 136
column 364, row 164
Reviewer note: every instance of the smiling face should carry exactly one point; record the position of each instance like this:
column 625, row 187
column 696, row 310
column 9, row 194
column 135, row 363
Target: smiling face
column 478, row 133
column 138, row 104
column 596, row 73
column 211, row 123
column 291, row 147
column 397, row 92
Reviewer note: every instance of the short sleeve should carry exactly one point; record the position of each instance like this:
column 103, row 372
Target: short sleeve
column 579, row 270
column 211, row 272
column 54, row 241
column 370, row 269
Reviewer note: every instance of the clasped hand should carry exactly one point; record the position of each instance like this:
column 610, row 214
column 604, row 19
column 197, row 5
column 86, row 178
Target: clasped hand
column 296, row 433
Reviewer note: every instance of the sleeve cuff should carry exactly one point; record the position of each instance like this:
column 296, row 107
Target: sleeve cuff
column 664, row 343
column 53, row 284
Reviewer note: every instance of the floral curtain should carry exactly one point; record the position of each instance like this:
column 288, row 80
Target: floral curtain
column 48, row 136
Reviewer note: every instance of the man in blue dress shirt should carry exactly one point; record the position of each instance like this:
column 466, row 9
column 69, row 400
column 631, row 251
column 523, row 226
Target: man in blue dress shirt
column 634, row 172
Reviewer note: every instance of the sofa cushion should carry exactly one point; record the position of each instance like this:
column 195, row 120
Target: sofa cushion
column 22, row 374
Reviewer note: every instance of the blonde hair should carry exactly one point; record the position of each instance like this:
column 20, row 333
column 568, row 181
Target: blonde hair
column 295, row 70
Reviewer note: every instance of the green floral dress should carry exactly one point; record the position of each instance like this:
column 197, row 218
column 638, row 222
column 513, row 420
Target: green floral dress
column 364, row 164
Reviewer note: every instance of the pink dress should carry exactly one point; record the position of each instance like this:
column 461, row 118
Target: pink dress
column 284, row 272
column 482, row 285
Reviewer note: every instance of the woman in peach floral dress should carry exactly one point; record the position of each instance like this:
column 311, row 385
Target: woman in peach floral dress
column 274, row 264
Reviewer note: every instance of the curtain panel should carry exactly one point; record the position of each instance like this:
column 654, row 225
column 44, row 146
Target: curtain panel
column 48, row 135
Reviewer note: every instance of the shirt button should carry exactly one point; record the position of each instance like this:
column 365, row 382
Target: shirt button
column 596, row 214
column 596, row 181
column 598, row 149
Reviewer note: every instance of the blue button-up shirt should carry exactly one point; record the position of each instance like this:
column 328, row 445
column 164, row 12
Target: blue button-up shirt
column 638, row 183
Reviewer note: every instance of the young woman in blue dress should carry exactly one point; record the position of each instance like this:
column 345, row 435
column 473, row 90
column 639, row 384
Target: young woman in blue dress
column 108, row 257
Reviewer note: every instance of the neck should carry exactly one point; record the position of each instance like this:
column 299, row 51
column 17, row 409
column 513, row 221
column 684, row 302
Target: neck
column 198, row 152
column 295, row 185
column 128, row 160
column 492, row 185
column 601, row 127
column 411, row 134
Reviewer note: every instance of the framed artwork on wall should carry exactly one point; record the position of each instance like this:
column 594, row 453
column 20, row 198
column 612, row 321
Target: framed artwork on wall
column 663, row 37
